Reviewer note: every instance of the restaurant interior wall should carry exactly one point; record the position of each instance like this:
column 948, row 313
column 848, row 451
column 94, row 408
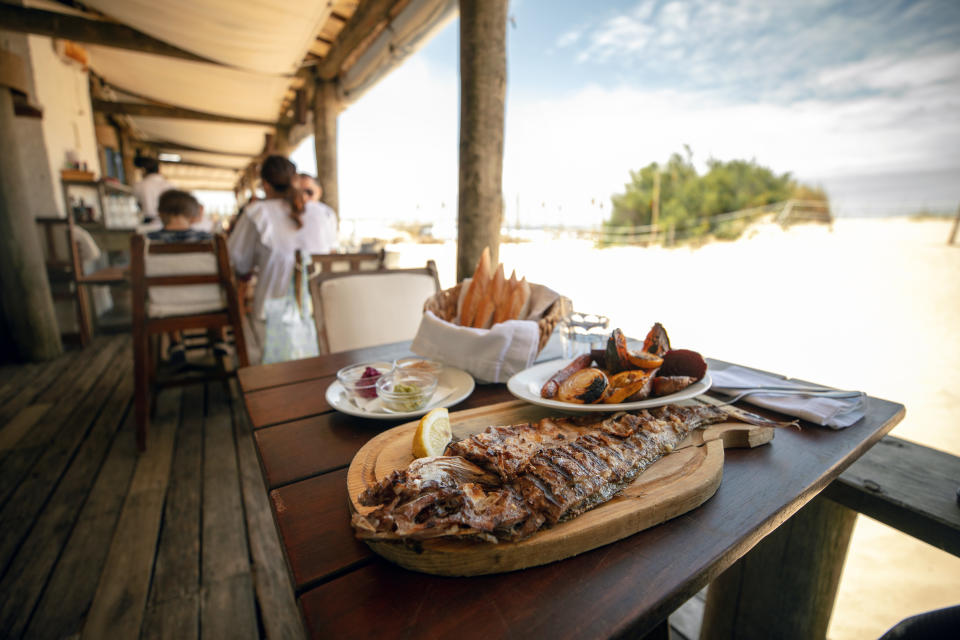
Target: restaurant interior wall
column 63, row 91
column 42, row 198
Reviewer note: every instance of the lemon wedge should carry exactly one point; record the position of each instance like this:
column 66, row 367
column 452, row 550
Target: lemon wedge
column 433, row 434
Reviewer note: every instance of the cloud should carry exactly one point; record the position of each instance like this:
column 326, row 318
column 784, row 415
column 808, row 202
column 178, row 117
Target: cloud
column 569, row 38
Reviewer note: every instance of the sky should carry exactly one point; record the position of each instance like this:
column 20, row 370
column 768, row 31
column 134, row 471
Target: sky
column 862, row 98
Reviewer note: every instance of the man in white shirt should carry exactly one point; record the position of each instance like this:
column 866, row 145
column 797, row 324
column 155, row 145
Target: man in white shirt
column 148, row 190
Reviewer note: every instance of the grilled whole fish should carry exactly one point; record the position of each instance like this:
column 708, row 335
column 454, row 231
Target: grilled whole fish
column 509, row 481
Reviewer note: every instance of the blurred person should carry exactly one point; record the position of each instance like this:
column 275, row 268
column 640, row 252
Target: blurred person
column 148, row 190
column 179, row 212
column 314, row 191
column 270, row 231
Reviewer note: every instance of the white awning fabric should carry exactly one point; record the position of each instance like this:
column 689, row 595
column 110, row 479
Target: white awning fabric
column 265, row 37
column 204, row 136
column 193, row 85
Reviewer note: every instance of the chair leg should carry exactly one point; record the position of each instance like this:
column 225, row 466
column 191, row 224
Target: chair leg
column 84, row 316
column 141, row 384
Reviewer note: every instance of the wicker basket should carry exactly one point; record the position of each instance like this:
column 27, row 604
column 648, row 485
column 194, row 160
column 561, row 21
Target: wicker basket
column 443, row 304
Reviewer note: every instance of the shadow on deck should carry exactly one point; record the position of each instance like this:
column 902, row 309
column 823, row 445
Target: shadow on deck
column 98, row 541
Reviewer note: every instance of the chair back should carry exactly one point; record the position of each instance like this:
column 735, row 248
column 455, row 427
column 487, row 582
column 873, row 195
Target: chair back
column 183, row 286
column 348, row 262
column 362, row 309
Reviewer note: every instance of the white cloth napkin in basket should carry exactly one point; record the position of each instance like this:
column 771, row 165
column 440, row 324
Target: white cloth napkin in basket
column 835, row 413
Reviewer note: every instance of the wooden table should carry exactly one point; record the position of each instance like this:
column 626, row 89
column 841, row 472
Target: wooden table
column 626, row 588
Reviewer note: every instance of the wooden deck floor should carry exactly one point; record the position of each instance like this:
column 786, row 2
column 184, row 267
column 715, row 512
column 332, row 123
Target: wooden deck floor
column 97, row 541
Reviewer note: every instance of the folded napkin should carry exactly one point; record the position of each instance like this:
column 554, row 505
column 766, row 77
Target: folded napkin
column 375, row 405
column 836, row 413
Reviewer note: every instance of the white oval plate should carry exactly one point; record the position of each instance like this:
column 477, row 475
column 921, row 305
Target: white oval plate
column 458, row 380
column 526, row 385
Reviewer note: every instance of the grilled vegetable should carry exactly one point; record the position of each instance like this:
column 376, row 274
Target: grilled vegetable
column 551, row 386
column 586, row 386
column 665, row 385
column 643, row 360
column 683, row 362
column 657, row 341
column 617, row 358
column 625, row 384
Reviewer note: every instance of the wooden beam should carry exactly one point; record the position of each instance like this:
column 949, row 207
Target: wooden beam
column 108, row 34
column 483, row 87
column 201, row 165
column 160, row 145
column 166, row 111
column 356, row 31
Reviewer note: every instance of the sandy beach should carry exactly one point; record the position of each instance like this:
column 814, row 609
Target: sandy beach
column 871, row 304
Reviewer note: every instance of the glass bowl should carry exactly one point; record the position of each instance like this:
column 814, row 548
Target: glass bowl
column 419, row 364
column 406, row 390
column 356, row 385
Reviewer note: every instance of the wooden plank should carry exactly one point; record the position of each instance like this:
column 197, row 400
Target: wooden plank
column 23, row 583
column 369, row 16
column 908, row 487
column 304, row 448
column 117, row 608
column 284, row 373
column 11, row 432
column 282, row 404
column 784, row 587
column 279, row 614
column 69, row 393
column 19, row 512
column 70, row 589
column 173, row 607
column 16, row 377
column 297, row 450
column 314, row 521
column 227, row 600
column 61, row 368
column 71, row 27
column 169, row 111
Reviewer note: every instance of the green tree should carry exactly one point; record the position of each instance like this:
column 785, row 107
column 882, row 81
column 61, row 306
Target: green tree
column 688, row 201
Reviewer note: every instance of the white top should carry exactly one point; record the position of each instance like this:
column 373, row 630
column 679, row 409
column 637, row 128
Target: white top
column 267, row 238
column 147, row 193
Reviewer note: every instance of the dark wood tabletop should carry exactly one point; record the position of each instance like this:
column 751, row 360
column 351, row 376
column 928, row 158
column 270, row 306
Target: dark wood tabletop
column 627, row 587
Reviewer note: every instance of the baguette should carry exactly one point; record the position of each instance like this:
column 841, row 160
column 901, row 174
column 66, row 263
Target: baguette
column 476, row 290
column 519, row 299
column 501, row 296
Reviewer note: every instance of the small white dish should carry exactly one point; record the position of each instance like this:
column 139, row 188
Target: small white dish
column 526, row 385
column 459, row 385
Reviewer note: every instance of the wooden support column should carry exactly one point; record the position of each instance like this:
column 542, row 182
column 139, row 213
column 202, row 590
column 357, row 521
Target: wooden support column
column 785, row 587
column 25, row 296
column 326, row 108
column 483, row 87
column 128, row 153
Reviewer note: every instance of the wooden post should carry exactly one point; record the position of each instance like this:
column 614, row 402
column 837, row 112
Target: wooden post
column 483, row 87
column 326, row 107
column 956, row 225
column 128, row 153
column 785, row 587
column 27, row 303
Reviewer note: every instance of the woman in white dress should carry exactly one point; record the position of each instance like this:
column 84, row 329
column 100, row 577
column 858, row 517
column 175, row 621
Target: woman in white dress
column 270, row 231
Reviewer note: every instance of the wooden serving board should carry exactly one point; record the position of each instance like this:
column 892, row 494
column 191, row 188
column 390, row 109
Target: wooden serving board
column 675, row 484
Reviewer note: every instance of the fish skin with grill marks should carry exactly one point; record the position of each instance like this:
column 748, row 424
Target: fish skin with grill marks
column 509, row 481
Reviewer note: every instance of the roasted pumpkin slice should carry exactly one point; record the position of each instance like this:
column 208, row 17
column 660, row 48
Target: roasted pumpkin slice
column 583, row 387
column 625, row 384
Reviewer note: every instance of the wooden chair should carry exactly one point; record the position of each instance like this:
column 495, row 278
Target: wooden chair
column 176, row 287
column 65, row 268
column 360, row 309
column 348, row 262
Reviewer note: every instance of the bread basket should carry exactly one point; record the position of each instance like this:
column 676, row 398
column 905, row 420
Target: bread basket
column 444, row 303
